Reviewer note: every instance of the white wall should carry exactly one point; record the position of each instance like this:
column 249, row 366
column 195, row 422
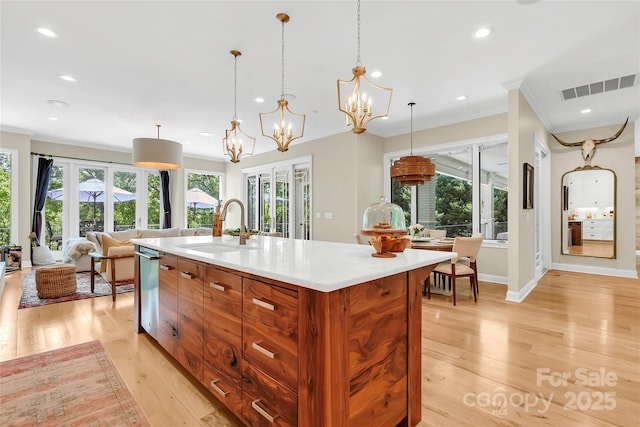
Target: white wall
column 618, row 156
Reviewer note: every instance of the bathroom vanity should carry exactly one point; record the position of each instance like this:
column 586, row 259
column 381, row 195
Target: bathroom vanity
column 290, row 332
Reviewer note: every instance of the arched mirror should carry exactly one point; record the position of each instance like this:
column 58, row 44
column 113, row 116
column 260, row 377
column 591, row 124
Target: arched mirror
column 589, row 212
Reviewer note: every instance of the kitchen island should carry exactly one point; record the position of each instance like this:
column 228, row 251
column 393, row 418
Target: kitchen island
column 289, row 332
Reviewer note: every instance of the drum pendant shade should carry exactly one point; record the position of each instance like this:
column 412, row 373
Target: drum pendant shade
column 157, row 153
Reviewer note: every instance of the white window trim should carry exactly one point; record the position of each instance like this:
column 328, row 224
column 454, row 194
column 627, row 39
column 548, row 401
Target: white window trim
column 291, row 163
column 13, row 231
column 439, row 149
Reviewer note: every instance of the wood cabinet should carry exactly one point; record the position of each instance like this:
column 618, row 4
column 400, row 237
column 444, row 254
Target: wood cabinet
column 277, row 354
column 190, row 317
column 168, row 304
column 270, row 354
column 575, row 229
column 223, row 337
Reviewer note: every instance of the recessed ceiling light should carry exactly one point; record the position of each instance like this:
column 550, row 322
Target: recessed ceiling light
column 206, row 134
column 461, row 98
column 586, row 111
column 46, row 32
column 68, row 78
column 376, row 74
column 56, row 103
column 53, row 118
column 259, row 100
column 483, row 32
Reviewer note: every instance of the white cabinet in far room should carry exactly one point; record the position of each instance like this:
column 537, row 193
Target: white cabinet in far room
column 597, row 229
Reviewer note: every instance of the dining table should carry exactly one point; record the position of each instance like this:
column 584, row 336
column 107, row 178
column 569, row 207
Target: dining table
column 433, row 245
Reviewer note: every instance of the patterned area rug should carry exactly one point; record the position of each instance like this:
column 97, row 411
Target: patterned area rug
column 73, row 386
column 30, row 294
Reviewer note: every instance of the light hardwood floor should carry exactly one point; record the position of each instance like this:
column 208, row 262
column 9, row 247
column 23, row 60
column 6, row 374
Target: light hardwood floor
column 472, row 355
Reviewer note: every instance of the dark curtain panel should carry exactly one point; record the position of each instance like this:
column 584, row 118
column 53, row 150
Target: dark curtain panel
column 166, row 203
column 42, row 185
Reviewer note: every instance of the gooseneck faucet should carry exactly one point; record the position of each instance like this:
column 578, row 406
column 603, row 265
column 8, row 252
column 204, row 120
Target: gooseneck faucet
column 223, row 215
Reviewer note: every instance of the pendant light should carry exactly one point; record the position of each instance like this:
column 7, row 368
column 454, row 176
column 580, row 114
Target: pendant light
column 157, row 153
column 232, row 143
column 412, row 170
column 358, row 98
column 282, row 125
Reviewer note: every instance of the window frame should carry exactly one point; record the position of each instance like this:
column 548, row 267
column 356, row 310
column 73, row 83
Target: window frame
column 440, row 149
column 221, row 188
column 270, row 168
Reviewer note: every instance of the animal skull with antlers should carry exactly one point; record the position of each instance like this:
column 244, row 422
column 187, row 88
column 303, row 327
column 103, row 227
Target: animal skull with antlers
column 589, row 145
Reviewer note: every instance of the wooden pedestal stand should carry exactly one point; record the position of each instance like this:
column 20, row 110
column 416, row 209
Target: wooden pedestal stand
column 383, row 245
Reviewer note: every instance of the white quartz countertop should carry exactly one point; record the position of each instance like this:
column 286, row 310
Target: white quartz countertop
column 321, row 266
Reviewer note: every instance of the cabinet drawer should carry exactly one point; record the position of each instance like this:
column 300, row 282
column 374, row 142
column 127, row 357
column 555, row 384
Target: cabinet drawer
column 265, row 402
column 223, row 294
column 190, row 318
column 222, row 350
column 592, row 235
column 168, row 304
column 168, row 265
column 273, row 305
column 227, row 393
column 273, row 350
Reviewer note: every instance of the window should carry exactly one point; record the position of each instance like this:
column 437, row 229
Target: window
column 279, row 198
column 8, row 224
column 468, row 193
column 203, row 195
column 95, row 196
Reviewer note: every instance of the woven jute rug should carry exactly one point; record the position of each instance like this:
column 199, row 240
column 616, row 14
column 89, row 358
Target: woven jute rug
column 102, row 288
column 72, row 386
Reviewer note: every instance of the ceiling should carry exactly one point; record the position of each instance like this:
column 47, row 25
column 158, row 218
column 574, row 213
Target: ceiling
column 142, row 63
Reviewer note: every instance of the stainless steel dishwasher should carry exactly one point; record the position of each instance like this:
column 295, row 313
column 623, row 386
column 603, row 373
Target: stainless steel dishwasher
column 149, row 302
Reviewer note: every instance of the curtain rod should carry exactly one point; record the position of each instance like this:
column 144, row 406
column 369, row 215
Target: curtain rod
column 78, row 158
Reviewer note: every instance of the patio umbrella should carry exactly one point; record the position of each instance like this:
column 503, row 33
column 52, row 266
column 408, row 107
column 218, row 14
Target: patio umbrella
column 92, row 190
column 196, row 198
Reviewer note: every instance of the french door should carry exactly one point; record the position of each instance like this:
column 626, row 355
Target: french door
column 279, row 199
column 93, row 196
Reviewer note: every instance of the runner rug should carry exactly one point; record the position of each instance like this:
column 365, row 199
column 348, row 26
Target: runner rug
column 72, row 386
column 102, row 288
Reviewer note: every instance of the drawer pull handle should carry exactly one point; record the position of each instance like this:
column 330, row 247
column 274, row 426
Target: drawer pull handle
column 218, row 389
column 186, row 275
column 165, row 267
column 264, row 304
column 254, row 405
column 263, row 350
column 217, row 287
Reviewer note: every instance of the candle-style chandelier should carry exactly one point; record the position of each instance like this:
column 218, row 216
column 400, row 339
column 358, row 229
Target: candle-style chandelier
column 282, row 125
column 412, row 170
column 355, row 102
column 232, row 143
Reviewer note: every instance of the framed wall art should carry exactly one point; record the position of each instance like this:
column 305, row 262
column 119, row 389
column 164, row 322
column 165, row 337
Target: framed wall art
column 527, row 186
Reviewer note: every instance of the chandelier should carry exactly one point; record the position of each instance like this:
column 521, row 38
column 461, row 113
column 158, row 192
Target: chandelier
column 285, row 124
column 232, row 141
column 412, row 170
column 358, row 97
column 157, row 153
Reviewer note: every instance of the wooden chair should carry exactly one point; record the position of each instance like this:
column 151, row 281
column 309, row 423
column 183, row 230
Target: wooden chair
column 119, row 267
column 465, row 247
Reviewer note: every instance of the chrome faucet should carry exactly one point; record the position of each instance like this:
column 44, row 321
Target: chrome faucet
column 223, row 215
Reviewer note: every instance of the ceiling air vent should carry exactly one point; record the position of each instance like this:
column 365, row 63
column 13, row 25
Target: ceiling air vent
column 599, row 87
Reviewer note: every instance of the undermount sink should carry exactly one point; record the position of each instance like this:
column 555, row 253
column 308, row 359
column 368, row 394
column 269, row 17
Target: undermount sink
column 216, row 248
